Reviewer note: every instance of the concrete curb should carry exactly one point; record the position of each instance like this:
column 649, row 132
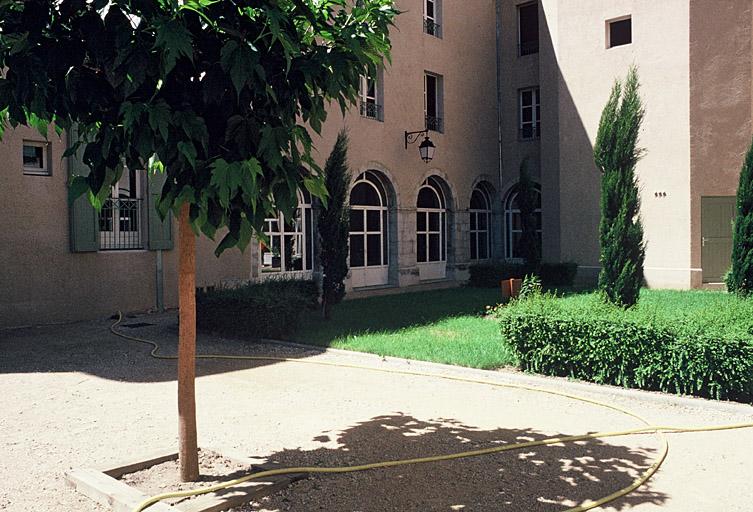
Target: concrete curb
column 104, row 486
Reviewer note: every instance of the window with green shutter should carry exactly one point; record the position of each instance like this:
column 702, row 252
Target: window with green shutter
column 118, row 225
column 160, row 232
column 84, row 235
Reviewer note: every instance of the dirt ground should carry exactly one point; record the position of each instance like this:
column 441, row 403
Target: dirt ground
column 76, row 396
column 165, row 477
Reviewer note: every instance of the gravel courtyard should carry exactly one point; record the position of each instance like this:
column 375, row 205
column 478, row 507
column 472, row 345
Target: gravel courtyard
column 78, row 396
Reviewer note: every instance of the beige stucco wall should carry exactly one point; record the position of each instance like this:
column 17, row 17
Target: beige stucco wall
column 466, row 151
column 576, row 59
column 720, row 103
column 41, row 281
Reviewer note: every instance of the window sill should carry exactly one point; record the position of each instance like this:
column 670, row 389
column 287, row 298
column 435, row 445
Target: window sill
column 36, row 172
column 121, row 251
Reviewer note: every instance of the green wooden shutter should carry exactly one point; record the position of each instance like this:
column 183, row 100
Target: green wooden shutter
column 160, row 232
column 84, row 229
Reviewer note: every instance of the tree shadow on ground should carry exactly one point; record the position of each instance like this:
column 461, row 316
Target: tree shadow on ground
column 91, row 348
column 545, row 478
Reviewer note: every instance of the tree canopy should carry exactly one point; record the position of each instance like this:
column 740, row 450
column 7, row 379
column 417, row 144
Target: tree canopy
column 219, row 94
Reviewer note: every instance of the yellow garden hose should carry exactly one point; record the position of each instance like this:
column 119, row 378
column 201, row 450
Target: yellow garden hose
column 639, row 481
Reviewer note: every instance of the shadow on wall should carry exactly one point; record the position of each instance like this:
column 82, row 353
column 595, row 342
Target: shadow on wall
column 545, row 478
column 570, row 181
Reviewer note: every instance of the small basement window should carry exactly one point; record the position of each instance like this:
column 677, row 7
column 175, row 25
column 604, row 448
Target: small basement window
column 36, row 158
column 619, row 32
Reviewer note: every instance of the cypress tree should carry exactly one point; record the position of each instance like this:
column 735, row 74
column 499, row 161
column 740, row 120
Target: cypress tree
column 334, row 226
column 616, row 153
column 528, row 245
column 740, row 277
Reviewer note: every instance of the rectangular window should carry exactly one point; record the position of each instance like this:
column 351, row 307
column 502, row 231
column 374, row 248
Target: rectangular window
column 432, row 11
column 370, row 95
column 120, row 219
column 433, row 85
column 530, row 114
column 289, row 246
column 528, row 29
column 36, row 158
column 619, row 32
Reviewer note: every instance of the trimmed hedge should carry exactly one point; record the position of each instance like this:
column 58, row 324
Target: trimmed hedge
column 552, row 274
column 489, row 275
column 558, row 274
column 606, row 345
column 270, row 309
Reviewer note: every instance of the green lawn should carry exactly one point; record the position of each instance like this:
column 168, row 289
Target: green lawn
column 443, row 326
column 449, row 326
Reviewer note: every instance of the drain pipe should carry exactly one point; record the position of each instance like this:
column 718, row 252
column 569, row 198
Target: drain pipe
column 160, row 288
column 498, row 67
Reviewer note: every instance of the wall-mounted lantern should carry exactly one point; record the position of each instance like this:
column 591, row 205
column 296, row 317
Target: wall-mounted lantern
column 426, row 148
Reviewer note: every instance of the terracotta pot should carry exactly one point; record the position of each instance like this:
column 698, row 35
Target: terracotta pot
column 515, row 285
column 505, row 286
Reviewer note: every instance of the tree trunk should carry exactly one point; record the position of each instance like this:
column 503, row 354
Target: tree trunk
column 188, row 452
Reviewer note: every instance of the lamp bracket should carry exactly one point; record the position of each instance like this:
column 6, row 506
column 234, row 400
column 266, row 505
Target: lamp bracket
column 412, row 137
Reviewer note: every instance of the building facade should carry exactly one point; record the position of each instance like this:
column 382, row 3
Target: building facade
column 694, row 63
column 497, row 84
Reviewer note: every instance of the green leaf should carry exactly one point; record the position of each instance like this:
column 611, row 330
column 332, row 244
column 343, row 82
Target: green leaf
column 77, row 187
column 3, row 121
column 131, row 114
column 317, row 188
column 37, row 123
column 227, row 242
column 225, row 180
column 188, row 150
column 159, row 118
column 238, row 59
column 246, row 232
column 174, row 40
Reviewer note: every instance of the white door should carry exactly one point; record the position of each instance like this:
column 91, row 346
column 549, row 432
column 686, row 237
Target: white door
column 368, row 233
column 431, row 232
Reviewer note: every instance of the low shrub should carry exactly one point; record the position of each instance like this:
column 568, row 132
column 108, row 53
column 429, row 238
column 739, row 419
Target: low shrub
column 647, row 348
column 270, row 309
column 488, row 275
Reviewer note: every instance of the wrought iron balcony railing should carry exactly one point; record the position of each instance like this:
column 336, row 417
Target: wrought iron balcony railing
column 528, row 48
column 371, row 110
column 529, row 132
column 120, row 225
column 432, row 28
column 434, row 124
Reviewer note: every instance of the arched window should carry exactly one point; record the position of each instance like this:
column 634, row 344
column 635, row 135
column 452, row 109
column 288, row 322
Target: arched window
column 368, row 223
column 291, row 241
column 513, row 224
column 431, row 223
column 481, row 217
